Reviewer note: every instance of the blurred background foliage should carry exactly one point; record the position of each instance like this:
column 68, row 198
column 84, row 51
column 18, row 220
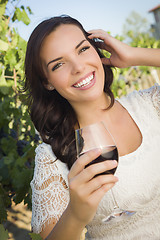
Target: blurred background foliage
column 17, row 134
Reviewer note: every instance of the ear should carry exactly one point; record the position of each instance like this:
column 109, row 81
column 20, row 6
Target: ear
column 46, row 83
column 49, row 87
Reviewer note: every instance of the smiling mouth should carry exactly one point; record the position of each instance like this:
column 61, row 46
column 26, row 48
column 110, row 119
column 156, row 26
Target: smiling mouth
column 84, row 82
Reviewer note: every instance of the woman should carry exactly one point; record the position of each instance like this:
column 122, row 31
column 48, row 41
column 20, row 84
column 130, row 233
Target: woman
column 69, row 83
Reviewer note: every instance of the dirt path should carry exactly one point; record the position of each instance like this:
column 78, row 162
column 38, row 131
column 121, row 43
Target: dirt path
column 19, row 222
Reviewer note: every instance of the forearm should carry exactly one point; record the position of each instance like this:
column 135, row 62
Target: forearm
column 67, row 228
column 145, row 57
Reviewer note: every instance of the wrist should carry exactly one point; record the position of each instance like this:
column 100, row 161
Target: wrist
column 77, row 223
column 132, row 56
column 68, row 228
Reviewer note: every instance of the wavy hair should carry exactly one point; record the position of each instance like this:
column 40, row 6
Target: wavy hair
column 52, row 115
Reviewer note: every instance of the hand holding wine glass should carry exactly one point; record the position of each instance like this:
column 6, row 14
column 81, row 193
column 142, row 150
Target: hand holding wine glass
column 97, row 136
column 86, row 190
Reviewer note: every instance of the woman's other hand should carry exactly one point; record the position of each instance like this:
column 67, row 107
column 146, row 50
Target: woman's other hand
column 120, row 52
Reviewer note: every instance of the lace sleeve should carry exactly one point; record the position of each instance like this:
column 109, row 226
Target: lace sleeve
column 152, row 93
column 50, row 195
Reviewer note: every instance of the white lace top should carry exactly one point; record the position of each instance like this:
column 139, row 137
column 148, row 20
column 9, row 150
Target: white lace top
column 138, row 187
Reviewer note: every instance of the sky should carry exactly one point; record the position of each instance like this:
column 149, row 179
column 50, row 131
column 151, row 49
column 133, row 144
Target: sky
column 109, row 15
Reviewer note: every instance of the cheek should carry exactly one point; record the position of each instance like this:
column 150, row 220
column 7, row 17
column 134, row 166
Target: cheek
column 96, row 58
column 61, row 78
column 56, row 79
column 99, row 65
column 60, row 83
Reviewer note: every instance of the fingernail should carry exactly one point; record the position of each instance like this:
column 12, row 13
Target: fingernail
column 116, row 179
column 96, row 151
column 114, row 162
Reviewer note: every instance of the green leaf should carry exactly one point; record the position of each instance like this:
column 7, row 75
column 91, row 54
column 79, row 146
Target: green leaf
column 9, row 146
column 35, row 236
column 4, row 173
column 10, row 57
column 3, row 212
column 2, row 7
column 21, row 15
column 4, row 233
column 3, row 85
column 5, row 202
column 21, row 184
column 3, row 45
column 9, row 159
column 155, row 44
column 29, row 10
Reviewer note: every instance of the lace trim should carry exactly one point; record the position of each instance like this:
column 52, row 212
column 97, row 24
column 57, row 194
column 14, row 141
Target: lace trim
column 152, row 93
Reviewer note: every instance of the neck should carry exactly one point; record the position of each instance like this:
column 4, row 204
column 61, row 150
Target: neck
column 92, row 111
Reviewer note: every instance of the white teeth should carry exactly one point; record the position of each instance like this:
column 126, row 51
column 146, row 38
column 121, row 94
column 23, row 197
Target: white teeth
column 84, row 82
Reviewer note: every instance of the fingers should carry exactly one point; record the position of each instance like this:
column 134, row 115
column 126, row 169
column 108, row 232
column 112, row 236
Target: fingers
column 98, row 33
column 82, row 174
column 97, row 195
column 82, row 161
column 82, row 183
column 99, row 182
column 91, row 190
column 86, row 191
column 97, row 168
column 102, row 35
column 85, row 179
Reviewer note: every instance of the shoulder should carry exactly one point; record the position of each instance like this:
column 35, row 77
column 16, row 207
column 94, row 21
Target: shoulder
column 150, row 96
column 143, row 105
column 44, row 154
column 47, row 164
column 152, row 92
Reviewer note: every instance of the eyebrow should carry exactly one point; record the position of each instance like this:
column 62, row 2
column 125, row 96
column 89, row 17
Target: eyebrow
column 59, row 58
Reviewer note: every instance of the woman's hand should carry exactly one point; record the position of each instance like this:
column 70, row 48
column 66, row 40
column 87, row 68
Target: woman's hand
column 123, row 55
column 120, row 52
column 86, row 191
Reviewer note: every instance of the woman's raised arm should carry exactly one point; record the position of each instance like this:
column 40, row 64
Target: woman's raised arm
column 123, row 55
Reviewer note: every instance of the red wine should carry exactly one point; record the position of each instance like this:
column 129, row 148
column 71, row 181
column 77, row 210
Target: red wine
column 109, row 153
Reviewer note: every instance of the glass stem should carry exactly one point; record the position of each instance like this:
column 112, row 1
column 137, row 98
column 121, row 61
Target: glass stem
column 114, row 200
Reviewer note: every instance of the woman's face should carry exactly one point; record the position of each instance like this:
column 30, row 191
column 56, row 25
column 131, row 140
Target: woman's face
column 72, row 65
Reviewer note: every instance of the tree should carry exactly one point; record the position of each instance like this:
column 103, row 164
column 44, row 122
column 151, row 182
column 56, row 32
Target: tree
column 17, row 134
column 136, row 24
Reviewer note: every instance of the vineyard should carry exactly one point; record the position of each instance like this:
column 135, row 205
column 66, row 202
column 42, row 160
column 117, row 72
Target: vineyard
column 18, row 138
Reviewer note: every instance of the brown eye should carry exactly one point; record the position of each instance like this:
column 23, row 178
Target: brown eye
column 84, row 49
column 57, row 66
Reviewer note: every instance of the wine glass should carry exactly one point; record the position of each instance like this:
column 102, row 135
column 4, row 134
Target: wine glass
column 97, row 136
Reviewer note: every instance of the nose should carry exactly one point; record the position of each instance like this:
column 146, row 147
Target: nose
column 77, row 66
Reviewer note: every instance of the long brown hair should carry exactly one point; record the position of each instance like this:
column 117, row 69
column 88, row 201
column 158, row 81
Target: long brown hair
column 52, row 115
